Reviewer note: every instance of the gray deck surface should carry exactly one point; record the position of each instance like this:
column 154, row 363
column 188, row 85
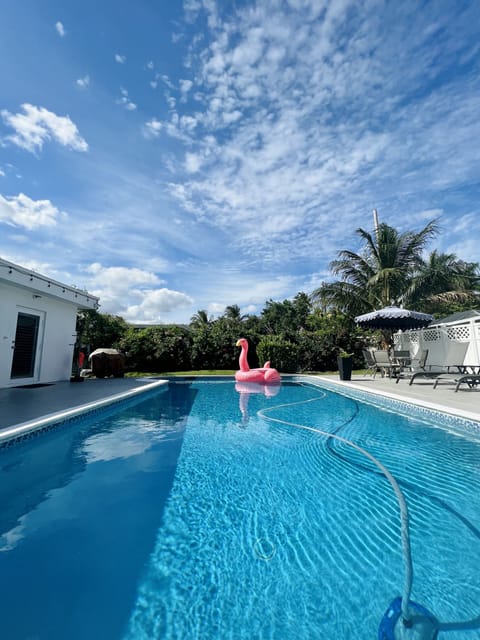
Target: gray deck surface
column 465, row 402
column 19, row 405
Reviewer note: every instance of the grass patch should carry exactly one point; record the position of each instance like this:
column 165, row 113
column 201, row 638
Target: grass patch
column 223, row 372
column 201, row 372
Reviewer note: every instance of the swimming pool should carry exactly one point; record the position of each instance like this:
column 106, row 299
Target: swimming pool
column 189, row 515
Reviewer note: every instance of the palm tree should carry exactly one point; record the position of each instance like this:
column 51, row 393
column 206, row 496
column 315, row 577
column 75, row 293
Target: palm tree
column 442, row 281
column 200, row 319
column 233, row 313
column 380, row 274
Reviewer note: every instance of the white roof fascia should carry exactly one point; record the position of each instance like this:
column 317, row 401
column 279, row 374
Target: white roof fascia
column 15, row 275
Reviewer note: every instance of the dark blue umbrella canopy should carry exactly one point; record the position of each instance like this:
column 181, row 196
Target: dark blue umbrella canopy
column 394, row 318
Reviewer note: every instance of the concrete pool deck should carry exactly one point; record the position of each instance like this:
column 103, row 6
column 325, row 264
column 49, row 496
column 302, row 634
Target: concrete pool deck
column 23, row 406
column 464, row 403
column 25, row 409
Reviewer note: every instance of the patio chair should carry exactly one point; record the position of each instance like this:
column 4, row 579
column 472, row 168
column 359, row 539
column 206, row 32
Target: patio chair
column 370, row 362
column 385, row 363
column 402, row 356
column 416, row 367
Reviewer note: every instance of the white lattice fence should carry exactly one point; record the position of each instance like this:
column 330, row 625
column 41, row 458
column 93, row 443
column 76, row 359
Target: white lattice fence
column 460, row 333
column 445, row 344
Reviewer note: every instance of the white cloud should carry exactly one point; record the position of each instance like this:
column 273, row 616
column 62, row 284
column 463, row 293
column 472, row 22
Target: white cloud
column 156, row 305
column 22, row 211
column 188, row 122
column 134, row 293
column 120, row 59
column 215, row 308
column 229, row 117
column 193, row 162
column 84, row 82
column 185, row 86
column 250, row 49
column 152, row 128
column 2, row 173
column 37, row 125
column 150, row 64
column 309, row 134
column 60, row 29
column 167, row 81
column 125, row 100
column 428, row 214
column 120, row 280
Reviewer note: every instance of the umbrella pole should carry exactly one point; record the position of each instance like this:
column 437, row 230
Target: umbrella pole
column 387, row 337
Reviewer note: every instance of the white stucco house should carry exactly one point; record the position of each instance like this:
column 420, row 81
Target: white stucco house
column 37, row 326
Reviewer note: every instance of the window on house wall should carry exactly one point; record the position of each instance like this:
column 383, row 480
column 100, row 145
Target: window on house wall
column 26, row 337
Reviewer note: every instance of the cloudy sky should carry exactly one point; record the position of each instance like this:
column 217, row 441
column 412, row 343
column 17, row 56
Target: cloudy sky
column 170, row 157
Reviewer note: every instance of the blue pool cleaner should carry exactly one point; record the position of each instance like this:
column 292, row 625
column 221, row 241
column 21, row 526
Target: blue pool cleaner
column 419, row 625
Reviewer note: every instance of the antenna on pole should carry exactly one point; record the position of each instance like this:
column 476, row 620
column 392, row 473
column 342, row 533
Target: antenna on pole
column 375, row 223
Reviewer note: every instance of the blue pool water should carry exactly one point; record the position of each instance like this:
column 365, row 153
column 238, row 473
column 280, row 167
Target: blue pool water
column 190, row 516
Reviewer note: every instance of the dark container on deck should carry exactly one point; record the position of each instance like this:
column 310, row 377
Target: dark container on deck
column 345, row 367
column 107, row 362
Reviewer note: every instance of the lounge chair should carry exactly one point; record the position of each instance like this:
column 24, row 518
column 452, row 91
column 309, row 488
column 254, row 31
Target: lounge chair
column 453, row 365
column 472, row 378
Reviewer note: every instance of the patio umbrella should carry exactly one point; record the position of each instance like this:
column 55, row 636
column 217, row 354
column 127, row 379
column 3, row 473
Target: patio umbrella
column 394, row 319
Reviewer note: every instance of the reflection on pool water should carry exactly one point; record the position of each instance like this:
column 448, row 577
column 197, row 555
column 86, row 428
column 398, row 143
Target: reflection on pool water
column 189, row 515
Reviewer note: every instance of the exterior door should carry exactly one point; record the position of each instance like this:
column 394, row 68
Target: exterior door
column 25, row 347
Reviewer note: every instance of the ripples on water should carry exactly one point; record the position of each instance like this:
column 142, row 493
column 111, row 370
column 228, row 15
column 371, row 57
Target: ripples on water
column 190, row 516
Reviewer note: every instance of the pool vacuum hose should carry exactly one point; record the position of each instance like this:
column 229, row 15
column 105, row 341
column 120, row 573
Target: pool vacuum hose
column 404, row 619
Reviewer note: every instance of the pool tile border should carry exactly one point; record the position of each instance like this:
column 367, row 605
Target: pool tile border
column 26, row 430
column 406, row 406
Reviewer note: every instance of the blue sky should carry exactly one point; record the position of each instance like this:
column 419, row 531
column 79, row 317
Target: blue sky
column 170, row 157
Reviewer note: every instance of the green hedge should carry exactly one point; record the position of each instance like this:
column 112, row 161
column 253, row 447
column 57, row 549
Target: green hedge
column 283, row 355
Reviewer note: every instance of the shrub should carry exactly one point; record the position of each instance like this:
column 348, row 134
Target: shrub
column 157, row 349
column 282, row 354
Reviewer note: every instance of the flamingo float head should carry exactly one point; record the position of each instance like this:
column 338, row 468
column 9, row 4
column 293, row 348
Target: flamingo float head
column 243, row 362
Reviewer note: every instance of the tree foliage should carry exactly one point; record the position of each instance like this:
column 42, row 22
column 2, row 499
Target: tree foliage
column 444, row 284
column 100, row 330
column 304, row 333
column 391, row 270
column 286, row 318
column 159, row 348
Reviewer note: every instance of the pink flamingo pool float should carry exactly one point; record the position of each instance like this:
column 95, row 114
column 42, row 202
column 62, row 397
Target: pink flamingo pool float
column 262, row 375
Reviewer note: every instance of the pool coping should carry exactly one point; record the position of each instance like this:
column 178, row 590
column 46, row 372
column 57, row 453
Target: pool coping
column 23, row 429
